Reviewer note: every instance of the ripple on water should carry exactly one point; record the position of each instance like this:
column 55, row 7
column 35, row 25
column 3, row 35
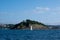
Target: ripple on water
column 29, row 35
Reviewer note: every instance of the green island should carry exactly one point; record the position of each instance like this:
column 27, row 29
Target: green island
column 27, row 24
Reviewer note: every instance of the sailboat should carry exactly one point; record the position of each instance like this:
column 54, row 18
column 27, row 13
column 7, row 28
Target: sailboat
column 30, row 27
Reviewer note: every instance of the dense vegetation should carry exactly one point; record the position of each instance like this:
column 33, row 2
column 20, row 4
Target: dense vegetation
column 25, row 24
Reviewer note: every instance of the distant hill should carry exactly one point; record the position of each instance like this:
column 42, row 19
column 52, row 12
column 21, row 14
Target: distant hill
column 27, row 23
column 54, row 26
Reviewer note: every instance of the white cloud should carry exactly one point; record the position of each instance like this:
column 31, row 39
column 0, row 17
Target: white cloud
column 46, row 10
column 41, row 10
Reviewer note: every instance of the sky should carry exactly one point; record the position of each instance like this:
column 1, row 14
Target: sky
column 15, row 11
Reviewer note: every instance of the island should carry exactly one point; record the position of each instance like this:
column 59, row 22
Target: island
column 26, row 24
column 29, row 24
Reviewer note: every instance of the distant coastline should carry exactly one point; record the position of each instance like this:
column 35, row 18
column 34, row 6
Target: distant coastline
column 26, row 24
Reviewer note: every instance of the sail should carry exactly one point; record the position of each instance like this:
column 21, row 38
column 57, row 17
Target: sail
column 31, row 28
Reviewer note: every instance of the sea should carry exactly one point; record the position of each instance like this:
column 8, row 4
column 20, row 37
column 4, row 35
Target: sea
column 30, row 34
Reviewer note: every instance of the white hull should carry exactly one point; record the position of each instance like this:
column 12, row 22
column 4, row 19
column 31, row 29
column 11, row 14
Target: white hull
column 30, row 27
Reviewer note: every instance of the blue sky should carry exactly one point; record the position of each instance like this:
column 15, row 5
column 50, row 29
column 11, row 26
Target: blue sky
column 15, row 11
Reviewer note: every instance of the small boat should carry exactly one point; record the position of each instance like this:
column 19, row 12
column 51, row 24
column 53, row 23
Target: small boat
column 30, row 27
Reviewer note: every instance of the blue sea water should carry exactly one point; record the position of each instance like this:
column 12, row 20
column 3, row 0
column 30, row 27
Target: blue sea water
column 29, row 34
